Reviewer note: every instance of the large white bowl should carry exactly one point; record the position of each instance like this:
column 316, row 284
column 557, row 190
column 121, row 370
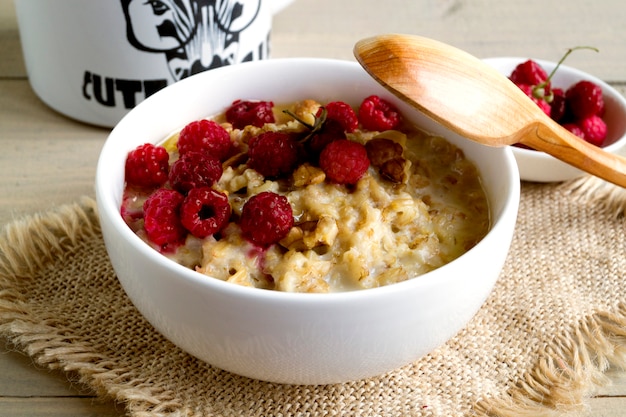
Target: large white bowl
column 541, row 167
column 284, row 337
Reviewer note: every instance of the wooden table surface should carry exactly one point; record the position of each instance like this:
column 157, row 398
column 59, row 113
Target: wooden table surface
column 49, row 160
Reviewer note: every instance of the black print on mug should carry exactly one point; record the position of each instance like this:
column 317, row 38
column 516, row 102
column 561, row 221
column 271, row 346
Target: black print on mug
column 192, row 35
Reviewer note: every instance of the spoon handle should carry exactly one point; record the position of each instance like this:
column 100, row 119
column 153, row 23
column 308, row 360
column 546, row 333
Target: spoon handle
column 557, row 141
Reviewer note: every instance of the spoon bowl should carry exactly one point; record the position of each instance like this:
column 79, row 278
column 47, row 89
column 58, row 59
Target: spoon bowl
column 473, row 99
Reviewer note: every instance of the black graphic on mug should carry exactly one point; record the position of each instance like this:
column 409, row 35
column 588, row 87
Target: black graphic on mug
column 193, row 35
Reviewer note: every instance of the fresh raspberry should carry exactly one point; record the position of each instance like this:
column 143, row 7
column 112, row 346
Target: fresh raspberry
column 529, row 72
column 256, row 113
column 332, row 130
column 342, row 113
column 594, row 129
column 266, row 218
column 575, row 129
column 344, row 161
column 543, row 105
column 378, row 114
column 147, row 166
column 205, row 136
column 602, row 109
column 161, row 218
column 273, row 154
column 584, row 99
column 194, row 170
column 558, row 106
column 205, row 212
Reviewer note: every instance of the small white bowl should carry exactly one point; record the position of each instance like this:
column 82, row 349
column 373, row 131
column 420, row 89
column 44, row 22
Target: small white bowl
column 539, row 166
column 286, row 337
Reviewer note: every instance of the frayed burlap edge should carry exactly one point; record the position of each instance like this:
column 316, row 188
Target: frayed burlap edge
column 49, row 235
column 594, row 190
column 568, row 372
column 573, row 366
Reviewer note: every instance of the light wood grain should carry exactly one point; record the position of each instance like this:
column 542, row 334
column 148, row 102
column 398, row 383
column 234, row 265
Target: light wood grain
column 48, row 160
column 57, row 407
column 38, row 145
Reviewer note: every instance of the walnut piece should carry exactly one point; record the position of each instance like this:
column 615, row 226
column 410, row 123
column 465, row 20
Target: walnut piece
column 386, row 155
column 307, row 174
column 395, row 170
column 381, row 150
column 311, row 234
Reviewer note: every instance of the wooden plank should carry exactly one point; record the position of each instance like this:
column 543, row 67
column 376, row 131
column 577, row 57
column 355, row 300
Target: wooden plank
column 483, row 28
column 607, row 407
column 22, row 378
column 26, row 188
column 12, row 62
column 617, row 386
column 58, row 407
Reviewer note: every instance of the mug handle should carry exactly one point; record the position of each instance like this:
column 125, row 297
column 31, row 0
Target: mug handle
column 278, row 5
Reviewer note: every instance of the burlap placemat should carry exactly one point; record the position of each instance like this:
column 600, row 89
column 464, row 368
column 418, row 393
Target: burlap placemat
column 539, row 346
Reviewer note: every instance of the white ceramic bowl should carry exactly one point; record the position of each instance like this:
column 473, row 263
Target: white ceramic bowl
column 285, row 337
column 541, row 167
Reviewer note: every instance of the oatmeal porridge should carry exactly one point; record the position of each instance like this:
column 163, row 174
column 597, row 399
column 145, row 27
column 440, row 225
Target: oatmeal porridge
column 307, row 197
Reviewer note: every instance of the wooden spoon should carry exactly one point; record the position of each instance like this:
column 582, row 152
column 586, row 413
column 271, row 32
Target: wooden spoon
column 471, row 98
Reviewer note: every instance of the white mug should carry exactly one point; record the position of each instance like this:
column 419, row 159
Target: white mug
column 94, row 60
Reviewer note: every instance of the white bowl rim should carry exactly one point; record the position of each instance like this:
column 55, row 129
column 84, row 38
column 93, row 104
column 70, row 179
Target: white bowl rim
column 106, row 201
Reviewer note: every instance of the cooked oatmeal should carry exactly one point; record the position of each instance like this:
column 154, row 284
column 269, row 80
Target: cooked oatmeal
column 419, row 205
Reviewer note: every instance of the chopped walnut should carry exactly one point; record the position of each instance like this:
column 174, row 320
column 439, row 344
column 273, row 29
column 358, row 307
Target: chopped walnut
column 381, row 150
column 324, row 234
column 293, row 240
column 311, row 234
column 386, row 155
column 306, row 110
column 393, row 135
column 395, row 170
column 307, row 174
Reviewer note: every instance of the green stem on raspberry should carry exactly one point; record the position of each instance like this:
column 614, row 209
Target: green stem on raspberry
column 539, row 91
column 567, row 53
column 316, row 127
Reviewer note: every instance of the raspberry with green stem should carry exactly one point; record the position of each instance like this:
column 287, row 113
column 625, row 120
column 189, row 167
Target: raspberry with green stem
column 543, row 91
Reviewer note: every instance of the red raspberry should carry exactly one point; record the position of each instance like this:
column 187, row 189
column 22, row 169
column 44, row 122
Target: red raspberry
column 584, row 99
column 575, row 129
column 256, row 113
column 205, row 212
column 147, row 166
column 344, row 161
column 161, row 218
column 528, row 72
column 378, row 114
column 331, row 131
column 273, row 154
column 205, row 136
column 594, row 129
column 342, row 113
column 266, row 218
column 558, row 105
column 194, row 170
column 543, row 105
